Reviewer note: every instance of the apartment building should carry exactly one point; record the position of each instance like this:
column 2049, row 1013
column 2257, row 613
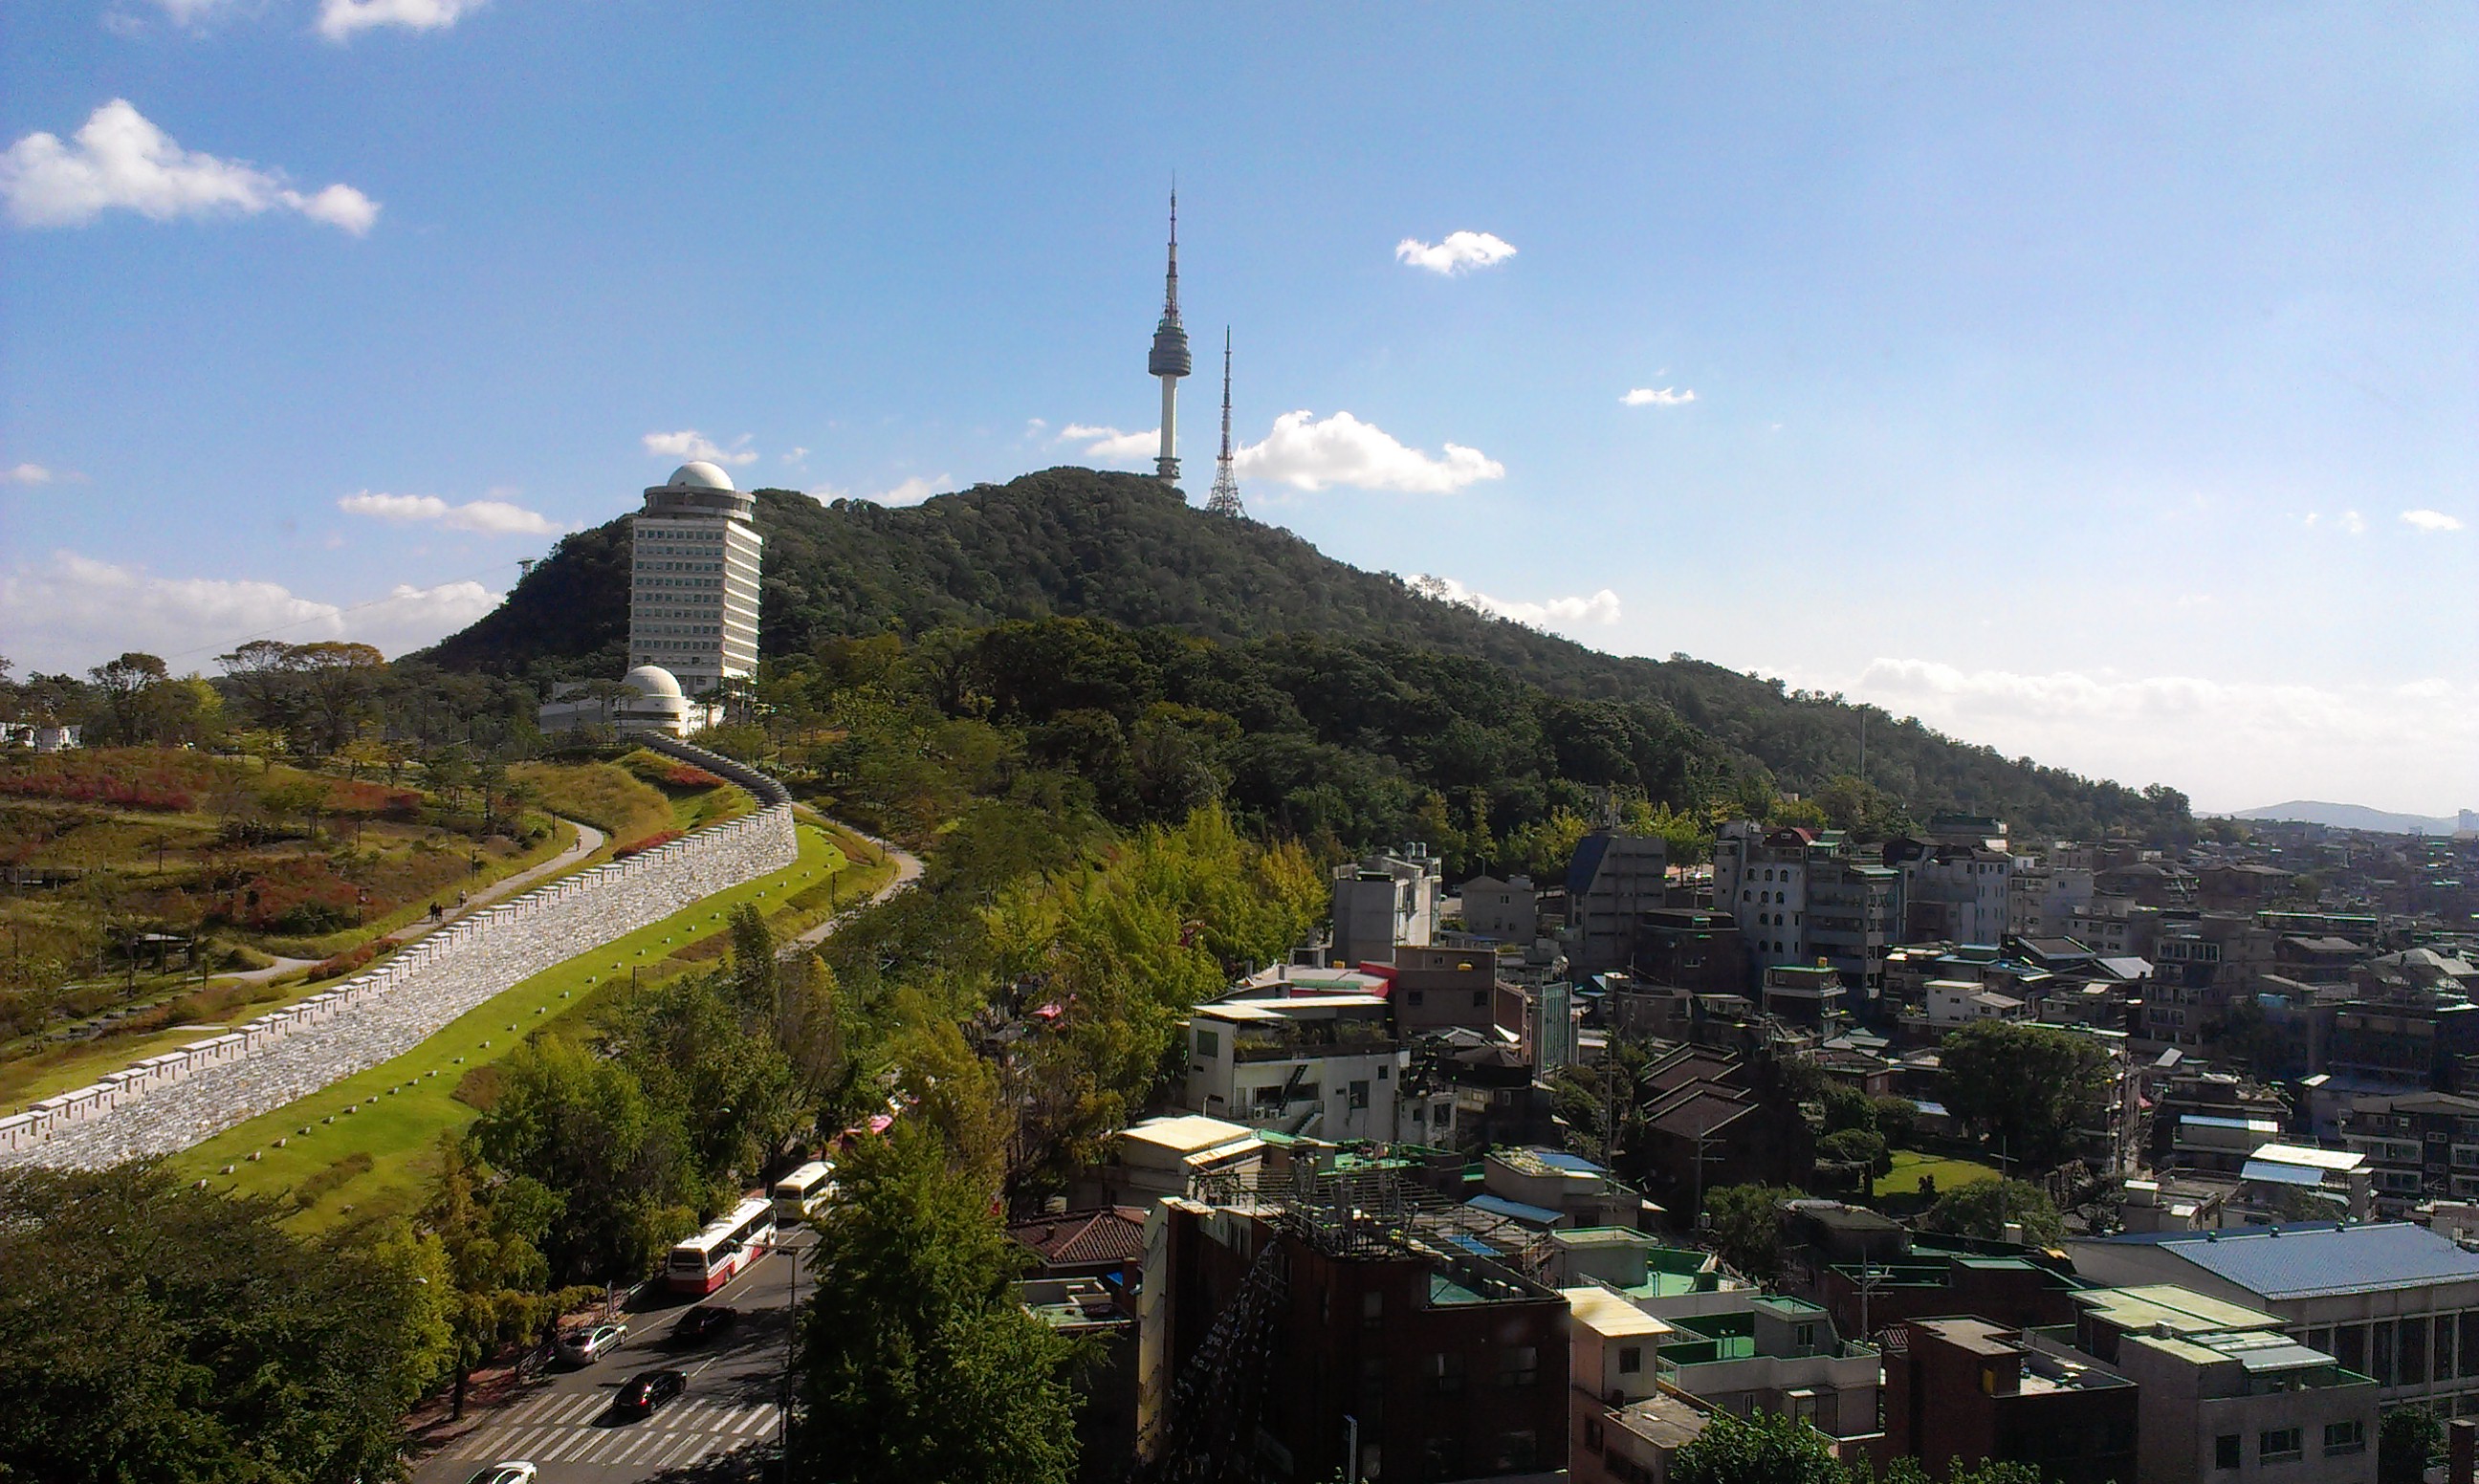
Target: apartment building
column 1322, row 1065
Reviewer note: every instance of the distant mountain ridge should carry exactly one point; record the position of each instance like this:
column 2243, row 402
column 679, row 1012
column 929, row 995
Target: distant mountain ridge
column 2358, row 816
column 1079, row 543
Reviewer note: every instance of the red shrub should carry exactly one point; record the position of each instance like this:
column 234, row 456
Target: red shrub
column 134, row 777
column 650, row 842
column 681, row 775
column 345, row 962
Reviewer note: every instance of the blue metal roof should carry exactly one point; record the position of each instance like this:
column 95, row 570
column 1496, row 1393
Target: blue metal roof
column 2281, row 1174
column 1515, row 1210
column 2216, row 1121
column 1586, row 864
column 2308, row 1261
column 1572, row 1163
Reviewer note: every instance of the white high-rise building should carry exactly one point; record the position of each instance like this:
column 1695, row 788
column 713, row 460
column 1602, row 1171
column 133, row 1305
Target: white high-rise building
column 693, row 579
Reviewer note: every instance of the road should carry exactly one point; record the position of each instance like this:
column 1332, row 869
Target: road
column 716, row 1430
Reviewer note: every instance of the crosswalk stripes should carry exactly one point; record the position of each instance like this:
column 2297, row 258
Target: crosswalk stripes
column 565, row 1429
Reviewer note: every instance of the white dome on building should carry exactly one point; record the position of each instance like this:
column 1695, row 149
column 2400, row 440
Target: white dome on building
column 700, row 476
column 653, row 682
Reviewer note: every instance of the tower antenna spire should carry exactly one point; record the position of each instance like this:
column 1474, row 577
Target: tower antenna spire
column 1169, row 360
column 1225, row 499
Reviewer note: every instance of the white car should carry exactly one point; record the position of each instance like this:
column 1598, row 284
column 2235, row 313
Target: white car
column 505, row 1474
column 585, row 1345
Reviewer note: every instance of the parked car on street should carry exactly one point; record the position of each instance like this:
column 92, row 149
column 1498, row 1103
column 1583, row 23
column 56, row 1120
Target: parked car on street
column 506, row 1473
column 590, row 1342
column 645, row 1392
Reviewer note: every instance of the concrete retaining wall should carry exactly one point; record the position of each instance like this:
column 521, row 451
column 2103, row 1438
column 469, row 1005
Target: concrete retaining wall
column 172, row 1101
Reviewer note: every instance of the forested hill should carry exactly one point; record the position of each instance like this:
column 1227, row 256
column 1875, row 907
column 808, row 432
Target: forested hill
column 1074, row 542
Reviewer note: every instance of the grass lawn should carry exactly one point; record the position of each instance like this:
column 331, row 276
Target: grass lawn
column 376, row 1162
column 1909, row 1164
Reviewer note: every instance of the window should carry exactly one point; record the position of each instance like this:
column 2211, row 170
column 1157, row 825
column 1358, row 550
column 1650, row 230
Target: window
column 1360, row 1094
column 1446, row 1372
column 2225, row 1450
column 1480, row 999
column 1630, row 1359
column 2280, row 1445
column 1519, row 1366
column 1383, row 1072
column 1805, row 1337
column 1208, row 1043
column 1418, row 997
column 1593, row 1433
column 1373, row 1313
column 2350, row 1437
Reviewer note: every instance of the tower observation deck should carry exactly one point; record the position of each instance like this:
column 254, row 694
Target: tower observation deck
column 1169, row 360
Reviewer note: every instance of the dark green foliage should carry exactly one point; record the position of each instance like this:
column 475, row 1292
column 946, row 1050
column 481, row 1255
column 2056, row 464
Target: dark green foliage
column 1744, row 1224
column 622, row 1165
column 1863, row 1149
column 1764, row 1447
column 2408, row 1439
column 1983, row 1210
column 916, row 1362
column 1071, row 542
column 2027, row 1087
column 153, row 1332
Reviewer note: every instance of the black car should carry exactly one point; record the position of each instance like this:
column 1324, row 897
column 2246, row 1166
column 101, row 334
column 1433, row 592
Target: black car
column 704, row 1322
column 645, row 1392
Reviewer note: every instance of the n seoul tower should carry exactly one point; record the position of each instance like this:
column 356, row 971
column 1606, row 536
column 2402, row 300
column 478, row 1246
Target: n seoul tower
column 1169, row 359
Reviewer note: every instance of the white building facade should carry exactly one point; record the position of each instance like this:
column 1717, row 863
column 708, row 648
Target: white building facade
column 694, row 566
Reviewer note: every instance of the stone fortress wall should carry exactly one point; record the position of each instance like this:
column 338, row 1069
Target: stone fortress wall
column 170, row 1102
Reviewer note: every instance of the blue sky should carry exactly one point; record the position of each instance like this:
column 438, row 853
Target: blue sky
column 2094, row 383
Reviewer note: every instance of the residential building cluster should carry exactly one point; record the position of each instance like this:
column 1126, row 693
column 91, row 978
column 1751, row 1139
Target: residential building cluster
column 1384, row 1234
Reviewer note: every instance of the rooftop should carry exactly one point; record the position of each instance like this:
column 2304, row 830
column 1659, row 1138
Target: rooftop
column 2184, row 1310
column 2315, row 1260
column 1609, row 1314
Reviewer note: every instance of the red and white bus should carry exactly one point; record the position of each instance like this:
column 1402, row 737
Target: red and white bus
column 715, row 1256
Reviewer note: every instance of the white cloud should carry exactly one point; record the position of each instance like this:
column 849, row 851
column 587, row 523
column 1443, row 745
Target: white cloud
column 690, row 443
column 1111, row 446
column 795, row 455
column 1602, row 607
column 2430, row 520
column 340, row 19
column 27, row 473
column 2354, row 522
column 487, row 517
column 120, row 160
column 74, row 611
column 2232, row 744
column 1667, row 397
column 910, row 491
column 1308, row 454
column 1459, row 252
column 190, row 13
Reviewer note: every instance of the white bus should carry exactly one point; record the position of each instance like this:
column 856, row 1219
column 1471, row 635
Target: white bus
column 803, row 1190
column 715, row 1256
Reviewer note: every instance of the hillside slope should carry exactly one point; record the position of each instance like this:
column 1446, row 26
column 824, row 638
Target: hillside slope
column 1074, row 542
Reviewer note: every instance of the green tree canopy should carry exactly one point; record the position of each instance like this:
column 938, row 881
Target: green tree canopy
column 916, row 1362
column 2027, row 1087
column 1984, row 1208
column 1744, row 1224
column 1765, row 1448
column 151, row 1331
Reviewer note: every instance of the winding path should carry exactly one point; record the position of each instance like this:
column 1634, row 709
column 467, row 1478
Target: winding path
column 908, row 870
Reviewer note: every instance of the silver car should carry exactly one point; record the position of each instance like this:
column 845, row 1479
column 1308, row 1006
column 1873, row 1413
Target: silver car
column 506, row 1473
column 584, row 1345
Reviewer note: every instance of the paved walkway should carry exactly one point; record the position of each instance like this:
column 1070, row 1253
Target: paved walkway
column 908, row 870
column 588, row 840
